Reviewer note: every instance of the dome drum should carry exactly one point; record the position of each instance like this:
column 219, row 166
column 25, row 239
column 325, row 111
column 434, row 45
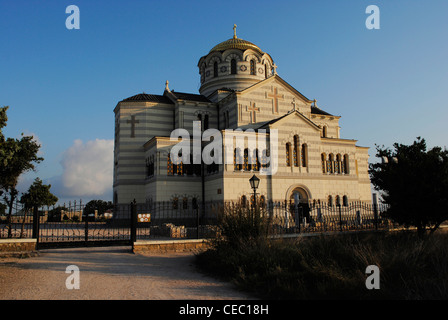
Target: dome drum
column 234, row 64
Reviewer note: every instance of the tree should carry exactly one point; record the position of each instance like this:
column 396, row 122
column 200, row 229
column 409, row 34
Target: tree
column 99, row 205
column 414, row 183
column 16, row 157
column 38, row 195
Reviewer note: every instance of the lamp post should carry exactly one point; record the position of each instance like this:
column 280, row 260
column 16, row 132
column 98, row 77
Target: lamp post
column 254, row 182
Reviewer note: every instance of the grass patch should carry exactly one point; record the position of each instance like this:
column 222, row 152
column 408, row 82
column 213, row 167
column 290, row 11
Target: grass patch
column 328, row 267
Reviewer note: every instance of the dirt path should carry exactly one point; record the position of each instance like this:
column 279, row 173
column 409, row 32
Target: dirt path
column 109, row 273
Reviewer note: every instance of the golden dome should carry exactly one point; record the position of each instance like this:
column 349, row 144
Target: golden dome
column 235, row 43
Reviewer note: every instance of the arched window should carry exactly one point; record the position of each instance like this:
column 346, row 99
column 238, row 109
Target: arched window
column 337, row 164
column 330, row 201
column 345, row 164
column 256, row 163
column 206, row 122
column 338, row 201
column 175, row 203
column 345, row 201
column 170, row 168
column 233, row 66
column 215, row 69
column 304, row 155
column 252, row 67
column 237, row 163
column 264, row 158
column 194, row 203
column 288, row 154
column 185, row 203
column 330, row 163
column 323, row 160
column 296, row 151
column 262, row 201
column 247, row 166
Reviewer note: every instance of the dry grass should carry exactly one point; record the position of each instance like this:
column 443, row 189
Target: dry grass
column 328, row 267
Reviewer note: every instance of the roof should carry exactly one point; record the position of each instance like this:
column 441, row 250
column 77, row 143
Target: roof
column 190, row 96
column 266, row 124
column 316, row 110
column 148, row 97
column 236, row 43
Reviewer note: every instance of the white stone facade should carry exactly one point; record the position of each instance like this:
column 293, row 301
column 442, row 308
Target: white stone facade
column 243, row 93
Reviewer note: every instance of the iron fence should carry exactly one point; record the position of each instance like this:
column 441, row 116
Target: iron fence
column 175, row 220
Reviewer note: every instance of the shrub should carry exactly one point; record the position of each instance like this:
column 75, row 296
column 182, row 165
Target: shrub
column 326, row 267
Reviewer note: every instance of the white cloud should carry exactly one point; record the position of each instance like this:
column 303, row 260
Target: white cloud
column 36, row 139
column 88, row 168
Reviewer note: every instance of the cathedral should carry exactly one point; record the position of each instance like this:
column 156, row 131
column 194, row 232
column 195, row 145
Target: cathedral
column 240, row 88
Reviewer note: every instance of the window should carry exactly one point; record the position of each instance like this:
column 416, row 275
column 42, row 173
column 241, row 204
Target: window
column 304, row 155
column 206, row 122
column 330, row 163
column 215, row 69
column 338, row 201
column 262, row 201
column 175, row 203
column 323, row 160
column 194, row 203
column 185, row 203
column 330, row 201
column 296, row 151
column 170, row 167
column 150, row 166
column 288, row 154
column 345, row 201
column 345, row 167
column 233, row 66
column 252, row 67
column 337, row 164
column 246, row 166
column 237, row 163
column 256, row 163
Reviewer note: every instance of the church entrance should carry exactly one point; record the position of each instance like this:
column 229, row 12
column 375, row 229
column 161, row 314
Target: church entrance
column 299, row 203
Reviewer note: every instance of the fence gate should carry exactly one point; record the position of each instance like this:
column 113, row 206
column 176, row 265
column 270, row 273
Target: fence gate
column 86, row 232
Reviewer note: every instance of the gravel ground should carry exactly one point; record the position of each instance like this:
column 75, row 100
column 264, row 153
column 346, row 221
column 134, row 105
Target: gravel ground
column 112, row 273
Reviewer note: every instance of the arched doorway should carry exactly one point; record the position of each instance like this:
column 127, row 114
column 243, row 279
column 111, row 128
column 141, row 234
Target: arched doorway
column 298, row 195
column 298, row 199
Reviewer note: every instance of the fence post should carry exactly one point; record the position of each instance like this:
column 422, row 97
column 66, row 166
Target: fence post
column 375, row 210
column 36, row 223
column 86, row 225
column 340, row 217
column 133, row 206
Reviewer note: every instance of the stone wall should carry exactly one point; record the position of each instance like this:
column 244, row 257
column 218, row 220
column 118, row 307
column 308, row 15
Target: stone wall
column 17, row 246
column 154, row 246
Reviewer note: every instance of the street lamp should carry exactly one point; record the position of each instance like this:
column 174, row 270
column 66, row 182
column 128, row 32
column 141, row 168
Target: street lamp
column 254, row 182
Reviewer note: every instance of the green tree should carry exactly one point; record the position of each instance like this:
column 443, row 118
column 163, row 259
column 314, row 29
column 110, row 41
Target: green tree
column 17, row 156
column 414, row 183
column 38, row 195
column 99, row 205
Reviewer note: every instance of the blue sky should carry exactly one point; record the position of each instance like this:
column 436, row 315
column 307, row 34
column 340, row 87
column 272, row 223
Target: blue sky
column 388, row 85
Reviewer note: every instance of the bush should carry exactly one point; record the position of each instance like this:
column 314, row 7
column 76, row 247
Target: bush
column 326, row 267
